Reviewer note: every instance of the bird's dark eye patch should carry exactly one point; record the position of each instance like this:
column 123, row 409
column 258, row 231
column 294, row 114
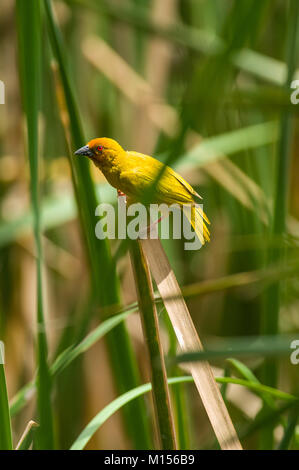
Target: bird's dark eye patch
column 100, row 148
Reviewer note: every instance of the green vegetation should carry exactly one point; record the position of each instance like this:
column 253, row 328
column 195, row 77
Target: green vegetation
column 204, row 86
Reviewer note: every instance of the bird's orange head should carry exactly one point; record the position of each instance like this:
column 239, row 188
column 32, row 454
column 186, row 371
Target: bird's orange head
column 101, row 149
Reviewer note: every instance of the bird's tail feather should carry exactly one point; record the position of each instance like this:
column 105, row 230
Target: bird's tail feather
column 199, row 221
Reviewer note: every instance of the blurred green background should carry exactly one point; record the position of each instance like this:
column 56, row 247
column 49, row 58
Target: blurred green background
column 205, row 84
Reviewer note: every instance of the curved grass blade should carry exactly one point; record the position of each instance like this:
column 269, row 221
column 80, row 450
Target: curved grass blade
column 246, row 373
column 114, row 406
column 259, row 388
column 67, row 357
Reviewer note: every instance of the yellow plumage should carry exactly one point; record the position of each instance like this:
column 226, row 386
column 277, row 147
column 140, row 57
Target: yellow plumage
column 134, row 173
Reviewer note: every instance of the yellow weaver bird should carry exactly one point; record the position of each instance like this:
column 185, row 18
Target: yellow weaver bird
column 133, row 174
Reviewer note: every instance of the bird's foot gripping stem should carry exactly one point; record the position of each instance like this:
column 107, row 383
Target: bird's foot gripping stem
column 120, row 193
column 121, row 196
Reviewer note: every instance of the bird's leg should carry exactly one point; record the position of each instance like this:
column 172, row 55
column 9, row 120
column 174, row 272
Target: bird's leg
column 149, row 227
column 120, row 193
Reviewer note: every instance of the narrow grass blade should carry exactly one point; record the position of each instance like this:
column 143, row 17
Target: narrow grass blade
column 270, row 274
column 29, row 32
column 67, row 357
column 217, row 147
column 223, row 388
column 148, row 313
column 114, row 406
column 259, row 388
column 243, row 370
column 252, row 346
column 189, row 341
column 5, row 424
column 70, row 354
column 27, row 437
column 248, row 375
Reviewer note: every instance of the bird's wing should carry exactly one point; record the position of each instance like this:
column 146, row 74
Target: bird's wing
column 141, row 172
column 185, row 184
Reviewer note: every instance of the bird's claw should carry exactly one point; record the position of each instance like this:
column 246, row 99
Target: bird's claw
column 120, row 193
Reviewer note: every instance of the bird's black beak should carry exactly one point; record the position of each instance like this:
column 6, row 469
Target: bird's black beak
column 84, row 151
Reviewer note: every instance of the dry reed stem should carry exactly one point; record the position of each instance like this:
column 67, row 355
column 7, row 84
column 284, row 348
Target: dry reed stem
column 189, row 341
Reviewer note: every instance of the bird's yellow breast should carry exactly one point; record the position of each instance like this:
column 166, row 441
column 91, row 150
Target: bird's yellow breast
column 133, row 173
